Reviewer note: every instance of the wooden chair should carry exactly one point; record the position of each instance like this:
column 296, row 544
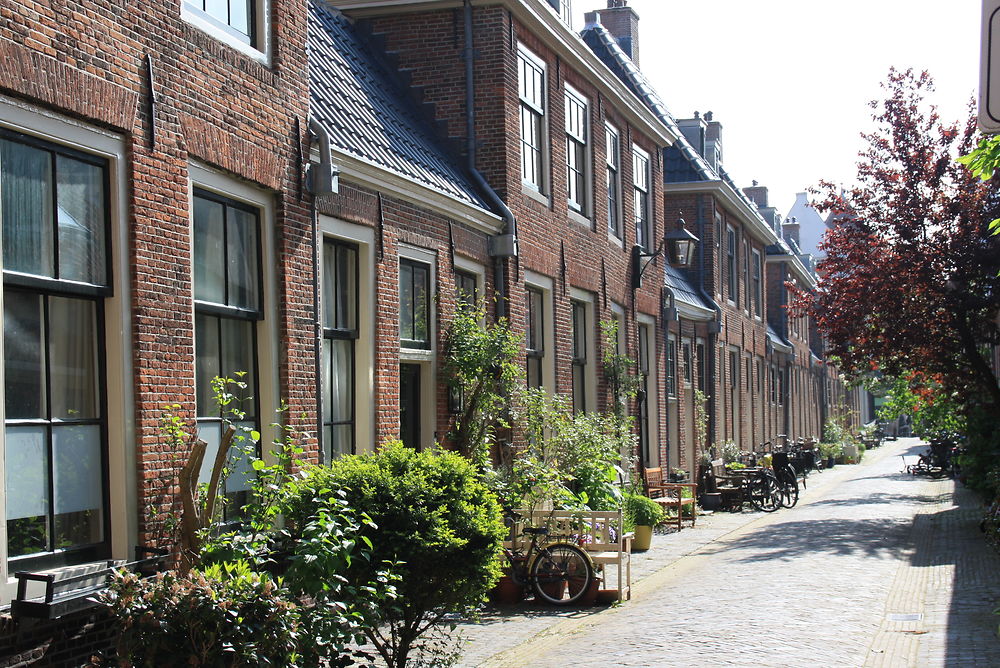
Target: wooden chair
column 670, row 494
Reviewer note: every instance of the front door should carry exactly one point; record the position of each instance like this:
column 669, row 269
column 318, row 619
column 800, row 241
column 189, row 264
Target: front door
column 409, row 405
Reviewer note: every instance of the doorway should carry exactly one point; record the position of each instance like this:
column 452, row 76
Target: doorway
column 409, row 405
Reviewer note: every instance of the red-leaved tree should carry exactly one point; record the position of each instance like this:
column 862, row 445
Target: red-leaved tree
column 910, row 282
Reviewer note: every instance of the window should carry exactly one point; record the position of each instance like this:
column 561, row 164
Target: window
column 55, row 216
column 756, row 284
column 613, row 158
column 340, row 334
column 746, row 277
column 535, row 337
column 228, row 305
column 579, row 356
column 414, row 304
column 686, row 358
column 531, row 91
column 731, row 265
column 647, row 391
column 577, row 131
column 467, row 287
column 640, row 184
column 671, row 366
column 243, row 24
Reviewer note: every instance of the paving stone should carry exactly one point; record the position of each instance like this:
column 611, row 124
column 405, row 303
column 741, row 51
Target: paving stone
column 816, row 585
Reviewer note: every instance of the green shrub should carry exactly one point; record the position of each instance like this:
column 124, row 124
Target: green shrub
column 641, row 510
column 432, row 516
column 223, row 615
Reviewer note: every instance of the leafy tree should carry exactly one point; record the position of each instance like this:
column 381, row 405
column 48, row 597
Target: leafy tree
column 910, row 277
column 482, row 375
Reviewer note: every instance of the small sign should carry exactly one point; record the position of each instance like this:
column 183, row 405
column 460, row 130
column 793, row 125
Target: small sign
column 989, row 68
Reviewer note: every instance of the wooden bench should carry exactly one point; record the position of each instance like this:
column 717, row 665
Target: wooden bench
column 599, row 532
column 670, row 495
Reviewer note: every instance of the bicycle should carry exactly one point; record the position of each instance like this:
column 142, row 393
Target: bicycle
column 559, row 573
column 788, row 483
column 761, row 489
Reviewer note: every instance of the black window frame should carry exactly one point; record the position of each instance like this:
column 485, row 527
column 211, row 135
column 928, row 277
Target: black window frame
column 338, row 332
column 534, row 340
column 46, row 288
column 579, row 361
column 413, row 343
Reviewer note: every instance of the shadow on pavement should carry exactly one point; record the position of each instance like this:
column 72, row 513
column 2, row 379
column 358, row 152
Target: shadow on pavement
column 499, row 614
column 882, row 498
column 789, row 540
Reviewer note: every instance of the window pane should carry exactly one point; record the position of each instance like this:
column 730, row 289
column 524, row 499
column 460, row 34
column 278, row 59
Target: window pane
column 329, row 285
column 341, row 372
column 347, row 262
column 406, row 301
column 77, row 475
column 241, row 255
column 207, row 362
column 26, row 207
column 82, row 216
column 340, row 438
column 27, row 490
column 209, row 251
column 239, row 15
column 238, row 355
column 218, row 9
column 421, row 306
column 73, row 358
column 24, row 382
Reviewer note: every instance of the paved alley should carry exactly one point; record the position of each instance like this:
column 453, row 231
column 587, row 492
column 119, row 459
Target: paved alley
column 874, row 567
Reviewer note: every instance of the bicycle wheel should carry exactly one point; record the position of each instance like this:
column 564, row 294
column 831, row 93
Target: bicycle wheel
column 561, row 574
column 789, row 486
column 764, row 492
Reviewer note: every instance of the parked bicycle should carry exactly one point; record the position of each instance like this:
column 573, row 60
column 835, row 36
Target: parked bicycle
column 559, row 572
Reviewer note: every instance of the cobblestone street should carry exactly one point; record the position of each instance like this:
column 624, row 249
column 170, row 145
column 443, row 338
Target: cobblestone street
column 874, row 567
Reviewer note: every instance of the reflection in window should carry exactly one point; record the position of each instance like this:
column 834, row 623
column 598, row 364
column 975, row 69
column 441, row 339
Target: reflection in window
column 54, row 215
column 579, row 356
column 227, row 309
column 414, row 304
column 235, row 17
column 535, row 343
column 340, row 333
column 531, row 92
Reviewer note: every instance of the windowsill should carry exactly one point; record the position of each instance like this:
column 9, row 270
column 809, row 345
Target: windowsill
column 534, row 194
column 415, row 355
column 616, row 240
column 580, row 219
column 262, row 57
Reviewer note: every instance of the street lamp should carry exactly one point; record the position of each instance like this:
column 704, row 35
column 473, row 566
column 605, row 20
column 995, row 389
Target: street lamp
column 680, row 246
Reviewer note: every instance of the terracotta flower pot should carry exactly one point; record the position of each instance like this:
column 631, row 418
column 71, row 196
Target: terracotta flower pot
column 507, row 592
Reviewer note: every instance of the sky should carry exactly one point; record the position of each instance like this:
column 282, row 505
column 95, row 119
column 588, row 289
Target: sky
column 790, row 80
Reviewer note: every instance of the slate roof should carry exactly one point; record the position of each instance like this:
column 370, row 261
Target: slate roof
column 370, row 114
column 683, row 290
column 779, row 343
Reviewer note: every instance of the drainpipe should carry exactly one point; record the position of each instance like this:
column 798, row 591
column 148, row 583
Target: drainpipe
column 315, row 178
column 713, row 336
column 503, row 245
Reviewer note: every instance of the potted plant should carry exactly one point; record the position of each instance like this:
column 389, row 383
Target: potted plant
column 678, row 475
column 829, row 452
column 643, row 514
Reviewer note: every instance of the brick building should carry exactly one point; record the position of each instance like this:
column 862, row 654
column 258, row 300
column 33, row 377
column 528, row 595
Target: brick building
column 158, row 173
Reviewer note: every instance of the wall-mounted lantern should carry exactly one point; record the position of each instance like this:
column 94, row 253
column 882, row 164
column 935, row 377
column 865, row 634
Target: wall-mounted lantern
column 680, row 246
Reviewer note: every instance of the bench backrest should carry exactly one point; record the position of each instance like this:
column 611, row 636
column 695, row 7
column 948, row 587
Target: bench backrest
column 654, row 478
column 594, row 530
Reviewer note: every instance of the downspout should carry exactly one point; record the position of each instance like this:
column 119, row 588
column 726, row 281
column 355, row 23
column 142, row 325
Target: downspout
column 713, row 335
column 325, row 166
column 503, row 245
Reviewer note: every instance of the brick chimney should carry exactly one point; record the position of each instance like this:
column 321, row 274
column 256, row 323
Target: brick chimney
column 757, row 194
column 623, row 23
column 790, row 230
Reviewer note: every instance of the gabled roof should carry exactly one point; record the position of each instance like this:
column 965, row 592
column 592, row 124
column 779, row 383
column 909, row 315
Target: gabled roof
column 779, row 343
column 370, row 115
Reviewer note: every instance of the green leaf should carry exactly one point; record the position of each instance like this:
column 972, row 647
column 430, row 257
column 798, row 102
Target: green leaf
column 258, row 465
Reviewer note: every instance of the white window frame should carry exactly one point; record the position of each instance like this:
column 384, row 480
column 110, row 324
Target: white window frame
column 578, row 153
column 647, row 323
column 364, row 346
column 544, row 285
column 589, row 374
column 260, row 49
column 533, row 106
column 642, row 198
column 426, row 358
column 118, row 371
column 613, row 174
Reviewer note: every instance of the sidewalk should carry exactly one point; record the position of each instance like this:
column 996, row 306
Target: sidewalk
column 501, row 628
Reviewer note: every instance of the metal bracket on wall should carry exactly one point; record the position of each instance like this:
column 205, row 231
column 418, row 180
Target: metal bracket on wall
column 451, row 244
column 562, row 264
column 381, row 230
column 151, row 101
